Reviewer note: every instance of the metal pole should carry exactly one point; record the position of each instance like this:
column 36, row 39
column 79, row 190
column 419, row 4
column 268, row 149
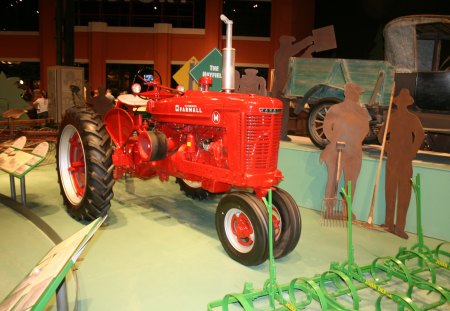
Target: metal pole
column 272, row 272
column 23, row 191
column 350, row 254
column 12, row 186
column 61, row 297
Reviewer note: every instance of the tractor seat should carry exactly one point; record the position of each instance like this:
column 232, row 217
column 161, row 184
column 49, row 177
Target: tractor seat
column 132, row 100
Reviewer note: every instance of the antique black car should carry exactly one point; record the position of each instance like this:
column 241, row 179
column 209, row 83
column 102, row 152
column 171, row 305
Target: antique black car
column 419, row 48
column 417, row 57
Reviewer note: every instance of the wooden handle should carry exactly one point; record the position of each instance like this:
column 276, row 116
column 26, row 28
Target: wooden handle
column 380, row 160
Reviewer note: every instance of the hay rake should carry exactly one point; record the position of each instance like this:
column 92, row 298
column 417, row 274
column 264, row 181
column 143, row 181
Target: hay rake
column 342, row 287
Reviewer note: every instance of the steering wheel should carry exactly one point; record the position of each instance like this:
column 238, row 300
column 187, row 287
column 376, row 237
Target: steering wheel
column 149, row 80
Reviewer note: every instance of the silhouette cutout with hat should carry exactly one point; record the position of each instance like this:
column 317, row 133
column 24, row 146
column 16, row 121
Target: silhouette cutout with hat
column 345, row 126
column 404, row 137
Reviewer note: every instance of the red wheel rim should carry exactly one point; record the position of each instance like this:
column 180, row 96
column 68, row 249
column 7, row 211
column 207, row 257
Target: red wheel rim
column 77, row 165
column 242, row 229
column 239, row 230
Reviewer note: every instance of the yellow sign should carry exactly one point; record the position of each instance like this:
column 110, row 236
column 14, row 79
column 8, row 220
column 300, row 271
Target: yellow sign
column 182, row 76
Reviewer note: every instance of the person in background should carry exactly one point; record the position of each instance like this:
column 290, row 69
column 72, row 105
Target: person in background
column 101, row 104
column 110, row 96
column 41, row 105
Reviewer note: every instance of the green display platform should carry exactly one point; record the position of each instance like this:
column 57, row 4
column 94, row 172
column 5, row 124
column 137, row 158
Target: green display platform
column 156, row 236
column 305, row 179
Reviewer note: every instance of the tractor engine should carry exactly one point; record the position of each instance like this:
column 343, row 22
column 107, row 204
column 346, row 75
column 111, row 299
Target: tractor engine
column 218, row 139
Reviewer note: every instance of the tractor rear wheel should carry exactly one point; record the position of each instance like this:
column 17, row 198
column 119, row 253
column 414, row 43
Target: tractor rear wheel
column 84, row 164
column 242, row 227
column 286, row 223
column 193, row 189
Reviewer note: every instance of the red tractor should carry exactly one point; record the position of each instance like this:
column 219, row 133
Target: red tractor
column 211, row 142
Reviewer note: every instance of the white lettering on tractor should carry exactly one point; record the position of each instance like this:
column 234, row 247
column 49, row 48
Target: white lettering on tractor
column 270, row 110
column 188, row 108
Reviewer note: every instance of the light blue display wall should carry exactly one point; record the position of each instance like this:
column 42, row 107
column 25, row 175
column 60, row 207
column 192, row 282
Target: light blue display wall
column 305, row 179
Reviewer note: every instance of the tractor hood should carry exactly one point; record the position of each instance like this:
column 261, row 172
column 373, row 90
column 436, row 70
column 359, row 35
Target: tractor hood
column 208, row 107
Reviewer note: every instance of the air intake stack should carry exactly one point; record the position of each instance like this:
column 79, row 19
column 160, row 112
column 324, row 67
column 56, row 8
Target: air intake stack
column 228, row 54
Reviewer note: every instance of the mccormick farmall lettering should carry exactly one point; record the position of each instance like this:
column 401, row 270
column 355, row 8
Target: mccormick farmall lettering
column 270, row 110
column 188, row 108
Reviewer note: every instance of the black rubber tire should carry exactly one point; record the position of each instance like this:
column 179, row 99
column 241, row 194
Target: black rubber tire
column 291, row 224
column 316, row 117
column 86, row 195
column 256, row 213
column 196, row 193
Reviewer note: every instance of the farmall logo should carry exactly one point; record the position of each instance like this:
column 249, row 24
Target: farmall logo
column 215, row 117
column 270, row 110
column 188, row 108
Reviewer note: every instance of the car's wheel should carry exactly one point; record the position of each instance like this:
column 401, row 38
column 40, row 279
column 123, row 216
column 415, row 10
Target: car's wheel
column 84, row 164
column 193, row 189
column 316, row 119
column 242, row 227
column 286, row 223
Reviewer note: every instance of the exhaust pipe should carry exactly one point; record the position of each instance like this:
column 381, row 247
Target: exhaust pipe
column 228, row 54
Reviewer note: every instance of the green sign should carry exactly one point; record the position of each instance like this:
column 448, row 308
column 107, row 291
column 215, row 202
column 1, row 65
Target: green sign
column 210, row 65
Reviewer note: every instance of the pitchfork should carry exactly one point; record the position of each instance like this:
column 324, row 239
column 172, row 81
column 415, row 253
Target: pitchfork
column 332, row 208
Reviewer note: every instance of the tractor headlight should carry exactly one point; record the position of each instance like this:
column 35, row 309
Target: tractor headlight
column 136, row 88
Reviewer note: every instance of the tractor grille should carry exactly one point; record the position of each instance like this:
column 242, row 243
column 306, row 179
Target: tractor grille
column 262, row 141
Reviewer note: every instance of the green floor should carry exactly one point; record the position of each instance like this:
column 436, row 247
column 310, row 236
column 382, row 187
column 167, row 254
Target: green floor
column 160, row 250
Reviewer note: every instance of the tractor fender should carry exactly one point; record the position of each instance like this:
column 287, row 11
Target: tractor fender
column 119, row 125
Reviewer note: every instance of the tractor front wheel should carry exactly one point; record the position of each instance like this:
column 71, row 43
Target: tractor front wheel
column 286, row 221
column 84, row 164
column 242, row 227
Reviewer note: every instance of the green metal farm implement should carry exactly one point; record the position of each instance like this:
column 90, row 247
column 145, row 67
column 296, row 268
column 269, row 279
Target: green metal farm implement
column 408, row 280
